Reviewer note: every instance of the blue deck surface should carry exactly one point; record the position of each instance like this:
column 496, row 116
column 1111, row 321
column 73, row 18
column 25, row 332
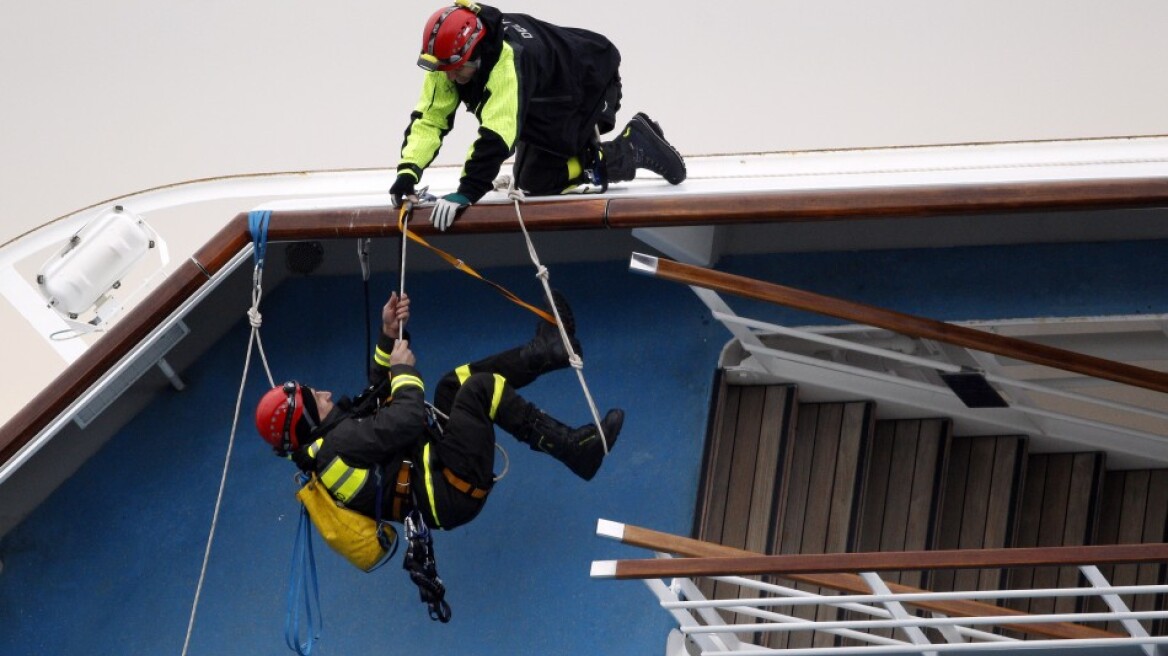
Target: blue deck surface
column 109, row 564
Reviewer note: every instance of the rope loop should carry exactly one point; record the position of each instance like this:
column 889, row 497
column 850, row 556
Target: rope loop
column 502, row 182
column 254, row 317
column 257, row 223
column 573, row 358
column 507, row 183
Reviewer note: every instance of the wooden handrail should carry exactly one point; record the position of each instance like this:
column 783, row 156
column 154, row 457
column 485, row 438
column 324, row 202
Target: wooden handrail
column 900, row 322
column 802, row 205
column 846, row 582
column 889, row 561
column 580, row 213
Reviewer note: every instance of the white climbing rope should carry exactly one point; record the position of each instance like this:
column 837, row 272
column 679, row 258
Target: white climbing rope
column 401, row 288
column 405, row 223
column 507, row 183
column 255, row 319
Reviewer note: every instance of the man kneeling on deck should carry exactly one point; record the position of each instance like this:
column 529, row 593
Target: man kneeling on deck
column 438, row 460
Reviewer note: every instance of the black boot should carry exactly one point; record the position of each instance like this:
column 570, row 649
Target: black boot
column 521, row 365
column 642, row 145
column 546, row 352
column 578, row 448
column 652, row 124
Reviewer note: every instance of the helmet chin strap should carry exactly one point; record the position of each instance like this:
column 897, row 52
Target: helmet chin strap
column 290, row 388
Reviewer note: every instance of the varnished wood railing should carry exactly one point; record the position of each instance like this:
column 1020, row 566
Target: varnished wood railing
column 905, row 324
column 838, row 571
column 582, row 213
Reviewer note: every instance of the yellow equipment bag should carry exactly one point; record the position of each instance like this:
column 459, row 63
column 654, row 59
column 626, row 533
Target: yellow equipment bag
column 349, row 533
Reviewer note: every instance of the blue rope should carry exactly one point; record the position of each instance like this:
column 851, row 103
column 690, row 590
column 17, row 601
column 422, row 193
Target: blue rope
column 257, row 223
column 302, row 581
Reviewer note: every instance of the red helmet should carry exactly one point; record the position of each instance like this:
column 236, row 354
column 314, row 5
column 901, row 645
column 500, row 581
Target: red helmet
column 286, row 415
column 450, row 37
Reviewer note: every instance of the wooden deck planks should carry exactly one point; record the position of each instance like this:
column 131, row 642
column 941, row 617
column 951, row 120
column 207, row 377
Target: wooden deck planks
column 1134, row 509
column 744, row 459
column 980, row 504
column 1058, row 509
column 902, row 496
column 782, row 477
column 825, row 479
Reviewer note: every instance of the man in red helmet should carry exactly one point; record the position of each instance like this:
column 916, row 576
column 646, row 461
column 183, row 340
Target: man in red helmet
column 541, row 91
column 438, row 460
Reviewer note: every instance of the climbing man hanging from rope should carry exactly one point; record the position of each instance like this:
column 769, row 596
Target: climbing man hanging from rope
column 435, row 459
column 541, row 91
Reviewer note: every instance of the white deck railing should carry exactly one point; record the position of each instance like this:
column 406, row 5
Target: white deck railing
column 704, row 627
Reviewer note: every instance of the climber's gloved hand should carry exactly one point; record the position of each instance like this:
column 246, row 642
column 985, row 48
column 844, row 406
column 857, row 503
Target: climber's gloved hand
column 446, row 209
column 402, row 188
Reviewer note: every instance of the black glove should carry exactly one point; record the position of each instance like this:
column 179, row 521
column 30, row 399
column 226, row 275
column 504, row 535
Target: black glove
column 402, row 187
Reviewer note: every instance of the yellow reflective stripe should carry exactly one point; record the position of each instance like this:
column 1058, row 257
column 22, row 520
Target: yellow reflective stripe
column 463, row 373
column 430, row 484
column 402, row 380
column 500, row 381
column 437, row 103
column 315, row 447
column 575, row 169
column 381, row 357
column 501, row 112
column 342, row 480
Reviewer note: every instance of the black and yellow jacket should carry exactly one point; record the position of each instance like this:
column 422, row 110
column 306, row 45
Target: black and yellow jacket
column 357, row 449
column 537, row 83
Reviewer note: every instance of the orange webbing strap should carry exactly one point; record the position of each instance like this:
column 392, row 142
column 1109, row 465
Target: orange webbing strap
column 463, row 486
column 401, row 492
column 462, row 266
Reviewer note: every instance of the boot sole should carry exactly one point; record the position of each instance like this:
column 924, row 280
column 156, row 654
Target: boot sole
column 565, row 312
column 612, row 427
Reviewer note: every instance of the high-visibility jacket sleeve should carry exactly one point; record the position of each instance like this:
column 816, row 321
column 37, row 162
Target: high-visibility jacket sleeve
column 431, row 120
column 379, row 367
column 499, row 117
column 402, row 421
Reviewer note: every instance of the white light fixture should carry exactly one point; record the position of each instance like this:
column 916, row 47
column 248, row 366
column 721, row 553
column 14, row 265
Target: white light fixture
column 84, row 273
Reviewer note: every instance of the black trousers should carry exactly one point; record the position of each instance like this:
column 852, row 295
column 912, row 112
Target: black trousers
column 541, row 172
column 474, row 397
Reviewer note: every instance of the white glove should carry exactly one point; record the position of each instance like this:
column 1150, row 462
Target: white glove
column 446, row 209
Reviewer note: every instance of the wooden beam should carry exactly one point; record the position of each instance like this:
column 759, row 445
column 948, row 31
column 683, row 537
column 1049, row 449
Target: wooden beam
column 902, row 323
column 784, row 565
column 801, row 205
